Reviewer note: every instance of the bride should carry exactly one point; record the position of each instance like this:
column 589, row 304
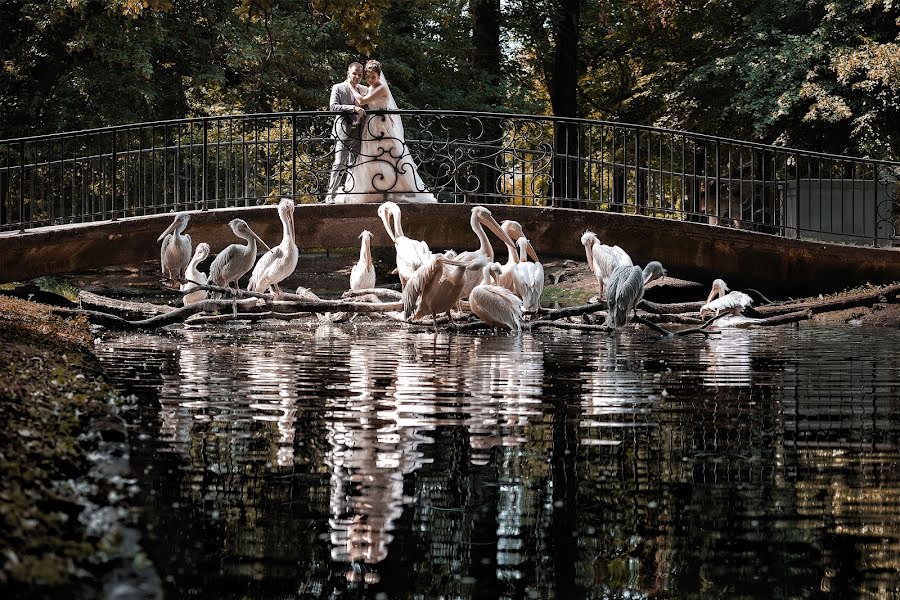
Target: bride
column 384, row 168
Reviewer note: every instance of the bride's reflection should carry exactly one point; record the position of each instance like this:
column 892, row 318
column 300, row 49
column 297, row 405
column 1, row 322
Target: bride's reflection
column 396, row 398
column 370, row 452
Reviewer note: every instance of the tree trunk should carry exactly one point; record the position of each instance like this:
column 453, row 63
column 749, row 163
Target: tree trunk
column 487, row 58
column 563, row 97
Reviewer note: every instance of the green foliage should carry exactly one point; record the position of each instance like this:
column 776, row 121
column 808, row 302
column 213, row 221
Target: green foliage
column 817, row 74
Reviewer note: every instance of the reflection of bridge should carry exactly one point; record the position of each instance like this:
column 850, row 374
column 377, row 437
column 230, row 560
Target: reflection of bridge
column 116, row 173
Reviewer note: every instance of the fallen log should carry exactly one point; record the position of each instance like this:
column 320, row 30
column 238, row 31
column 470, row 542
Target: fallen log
column 122, row 308
column 571, row 311
column 670, row 309
column 866, row 298
column 376, row 291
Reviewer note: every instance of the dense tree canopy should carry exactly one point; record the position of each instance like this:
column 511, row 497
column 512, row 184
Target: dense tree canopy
column 817, row 74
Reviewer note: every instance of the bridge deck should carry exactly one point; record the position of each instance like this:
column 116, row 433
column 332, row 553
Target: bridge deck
column 779, row 266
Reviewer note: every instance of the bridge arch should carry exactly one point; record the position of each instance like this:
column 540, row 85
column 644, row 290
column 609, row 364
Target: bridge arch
column 694, row 201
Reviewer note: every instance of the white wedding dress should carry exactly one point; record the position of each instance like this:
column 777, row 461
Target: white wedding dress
column 384, row 168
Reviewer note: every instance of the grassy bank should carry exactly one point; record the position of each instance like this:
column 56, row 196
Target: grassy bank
column 57, row 419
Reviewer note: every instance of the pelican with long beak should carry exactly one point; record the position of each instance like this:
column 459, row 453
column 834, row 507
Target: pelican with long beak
column 195, row 275
column 236, row 260
column 411, row 254
column 278, row 263
column 626, row 290
column 175, row 253
column 481, row 218
column 510, row 274
column 362, row 276
column 732, row 302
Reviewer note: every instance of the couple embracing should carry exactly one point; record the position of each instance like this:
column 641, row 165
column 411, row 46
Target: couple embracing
column 371, row 160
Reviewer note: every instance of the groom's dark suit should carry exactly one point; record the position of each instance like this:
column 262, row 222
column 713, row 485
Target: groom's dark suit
column 346, row 135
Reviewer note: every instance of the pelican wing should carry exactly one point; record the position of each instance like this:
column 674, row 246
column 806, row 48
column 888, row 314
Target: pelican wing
column 626, row 287
column 733, row 302
column 422, row 279
column 496, row 306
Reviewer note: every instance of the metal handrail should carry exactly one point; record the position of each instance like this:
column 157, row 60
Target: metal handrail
column 464, row 156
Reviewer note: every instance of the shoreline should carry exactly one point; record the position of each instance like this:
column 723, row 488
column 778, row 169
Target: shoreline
column 69, row 526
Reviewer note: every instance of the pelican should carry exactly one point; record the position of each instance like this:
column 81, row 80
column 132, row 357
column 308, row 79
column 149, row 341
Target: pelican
column 494, row 304
column 278, row 263
column 531, row 280
column 194, row 274
column 236, row 260
column 362, row 276
column 510, row 273
column 438, row 285
column 733, row 302
column 175, row 253
column 625, row 291
column 411, row 254
column 602, row 259
column 481, row 217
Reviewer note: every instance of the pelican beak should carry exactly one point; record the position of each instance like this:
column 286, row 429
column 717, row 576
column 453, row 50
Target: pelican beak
column 492, row 224
column 168, row 230
column 530, row 249
column 387, row 224
column 712, row 294
column 258, row 239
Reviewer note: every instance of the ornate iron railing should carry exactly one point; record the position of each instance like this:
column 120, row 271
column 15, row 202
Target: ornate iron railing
column 215, row 162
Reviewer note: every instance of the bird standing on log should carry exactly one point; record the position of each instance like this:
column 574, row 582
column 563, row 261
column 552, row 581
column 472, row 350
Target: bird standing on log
column 278, row 263
column 625, row 291
column 235, row 260
column 175, row 253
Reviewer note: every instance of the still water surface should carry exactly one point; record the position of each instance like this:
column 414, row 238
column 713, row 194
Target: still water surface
column 353, row 461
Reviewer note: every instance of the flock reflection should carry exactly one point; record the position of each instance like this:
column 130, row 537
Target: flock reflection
column 314, row 459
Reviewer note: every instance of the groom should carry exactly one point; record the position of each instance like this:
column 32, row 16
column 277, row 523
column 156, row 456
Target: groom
column 347, row 128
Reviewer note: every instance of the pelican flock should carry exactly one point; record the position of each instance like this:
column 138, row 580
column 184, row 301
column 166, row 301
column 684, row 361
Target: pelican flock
column 503, row 296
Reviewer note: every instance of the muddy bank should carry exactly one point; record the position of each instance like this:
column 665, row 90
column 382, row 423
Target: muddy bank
column 66, row 524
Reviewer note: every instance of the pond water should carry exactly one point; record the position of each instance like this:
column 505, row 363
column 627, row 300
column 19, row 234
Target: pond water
column 310, row 460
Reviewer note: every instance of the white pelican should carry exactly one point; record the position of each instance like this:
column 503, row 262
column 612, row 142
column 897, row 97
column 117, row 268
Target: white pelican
column 602, row 259
column 494, row 304
column 733, row 302
column 510, row 275
column 411, row 254
column 481, row 217
column 278, row 263
column 236, row 260
column 625, row 290
column 193, row 273
column 438, row 285
column 531, row 280
column 175, row 253
column 362, row 276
